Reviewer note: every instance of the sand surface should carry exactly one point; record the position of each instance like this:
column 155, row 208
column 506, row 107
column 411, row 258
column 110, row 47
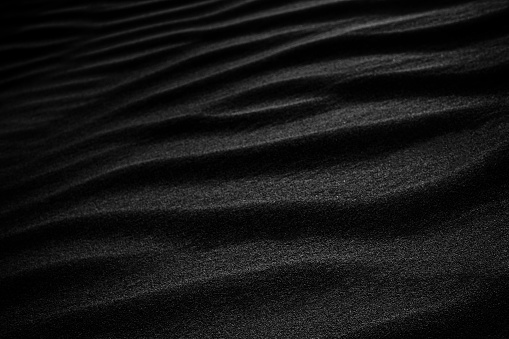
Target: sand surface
column 254, row 169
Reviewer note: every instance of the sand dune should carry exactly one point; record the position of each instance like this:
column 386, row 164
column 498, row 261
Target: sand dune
column 254, row 169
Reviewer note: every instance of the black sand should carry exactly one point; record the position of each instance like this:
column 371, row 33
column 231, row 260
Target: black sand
column 254, row 169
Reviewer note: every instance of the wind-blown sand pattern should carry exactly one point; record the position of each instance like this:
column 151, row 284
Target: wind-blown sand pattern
column 254, row 169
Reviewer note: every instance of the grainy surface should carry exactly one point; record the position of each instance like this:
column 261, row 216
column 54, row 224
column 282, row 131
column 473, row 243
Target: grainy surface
column 254, row 169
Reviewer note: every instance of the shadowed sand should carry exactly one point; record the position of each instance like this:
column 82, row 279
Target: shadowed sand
column 254, row 169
